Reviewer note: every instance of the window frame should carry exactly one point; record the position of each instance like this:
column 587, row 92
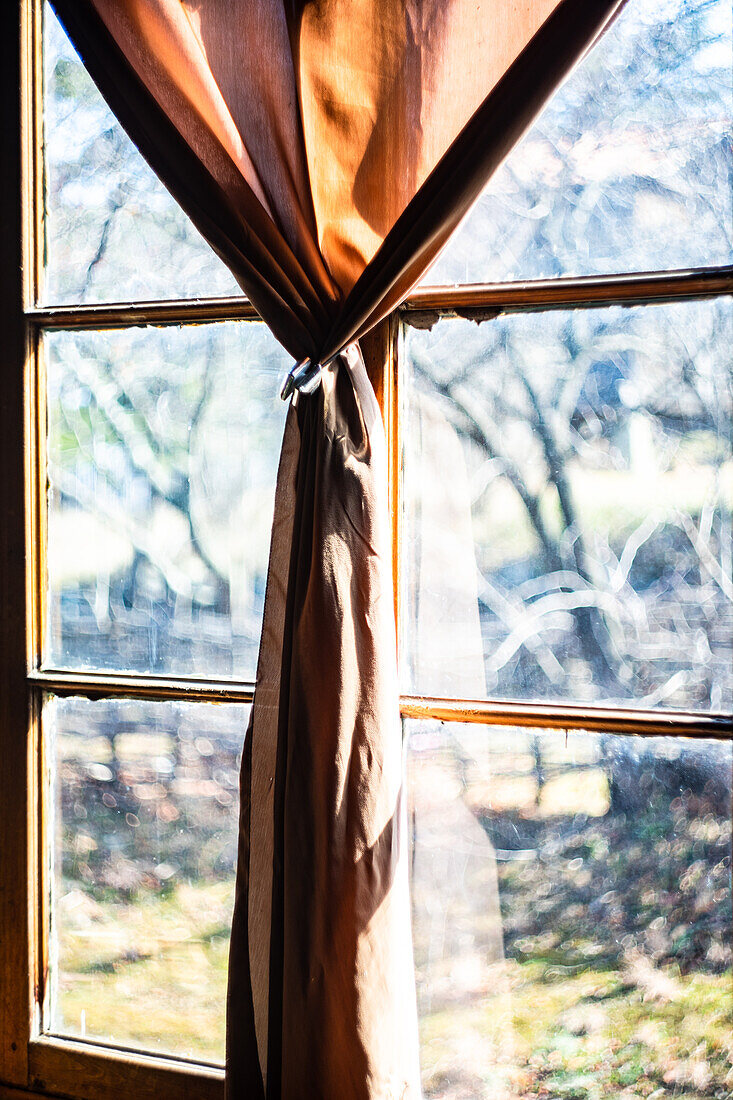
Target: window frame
column 33, row 1062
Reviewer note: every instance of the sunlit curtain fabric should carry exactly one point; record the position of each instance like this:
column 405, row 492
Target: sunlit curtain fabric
column 326, row 150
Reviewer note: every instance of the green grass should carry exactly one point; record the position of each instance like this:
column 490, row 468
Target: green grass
column 150, row 974
column 591, row 1035
column 615, row 980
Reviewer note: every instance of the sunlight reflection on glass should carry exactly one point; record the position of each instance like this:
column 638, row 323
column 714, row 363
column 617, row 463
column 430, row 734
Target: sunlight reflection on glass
column 162, row 456
column 571, row 912
column 629, row 166
column 113, row 232
column 568, row 483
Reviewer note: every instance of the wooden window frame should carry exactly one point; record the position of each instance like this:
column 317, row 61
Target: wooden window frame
column 33, row 1063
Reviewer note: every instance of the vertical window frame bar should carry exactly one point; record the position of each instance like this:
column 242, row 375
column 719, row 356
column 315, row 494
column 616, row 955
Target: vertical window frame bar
column 18, row 716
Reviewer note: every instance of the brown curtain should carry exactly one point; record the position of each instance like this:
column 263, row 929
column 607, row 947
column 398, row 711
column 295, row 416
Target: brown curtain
column 326, row 149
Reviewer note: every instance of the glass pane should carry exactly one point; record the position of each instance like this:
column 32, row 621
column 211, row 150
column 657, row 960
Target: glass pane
column 113, row 233
column 162, row 458
column 571, row 914
column 145, row 844
column 568, row 481
column 629, row 166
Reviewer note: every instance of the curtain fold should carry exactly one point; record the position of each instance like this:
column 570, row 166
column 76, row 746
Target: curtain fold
column 326, row 149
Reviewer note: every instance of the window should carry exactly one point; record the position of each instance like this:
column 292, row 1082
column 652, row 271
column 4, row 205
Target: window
column 561, row 489
column 566, row 590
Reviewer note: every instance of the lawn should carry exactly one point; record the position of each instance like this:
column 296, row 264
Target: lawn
column 563, row 949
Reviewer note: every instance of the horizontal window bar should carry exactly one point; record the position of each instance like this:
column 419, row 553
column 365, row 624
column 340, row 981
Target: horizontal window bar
column 539, row 294
column 584, row 292
column 91, row 1071
column 548, row 716
column 98, row 685
column 487, row 712
column 127, row 314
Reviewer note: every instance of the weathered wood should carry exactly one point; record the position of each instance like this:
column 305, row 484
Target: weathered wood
column 104, row 685
column 127, row 314
column 85, row 1071
column 469, row 300
column 586, row 292
column 18, row 759
column 9, row 1092
column 646, row 723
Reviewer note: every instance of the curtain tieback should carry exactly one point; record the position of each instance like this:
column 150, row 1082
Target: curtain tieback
column 304, row 376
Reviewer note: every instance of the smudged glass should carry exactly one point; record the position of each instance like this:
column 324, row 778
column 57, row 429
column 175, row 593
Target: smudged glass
column 567, row 486
column 628, row 168
column 112, row 231
column 162, row 449
column 144, row 856
column 571, row 912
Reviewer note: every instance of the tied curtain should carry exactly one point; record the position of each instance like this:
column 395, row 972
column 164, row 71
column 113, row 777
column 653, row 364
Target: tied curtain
column 326, row 149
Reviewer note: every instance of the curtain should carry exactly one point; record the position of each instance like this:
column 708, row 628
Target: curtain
column 326, row 149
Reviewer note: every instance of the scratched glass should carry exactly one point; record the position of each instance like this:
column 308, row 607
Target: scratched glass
column 112, row 231
column 571, row 913
column 144, row 857
column 568, row 483
column 629, row 166
column 162, row 457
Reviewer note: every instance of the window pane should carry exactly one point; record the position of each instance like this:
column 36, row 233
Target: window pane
column 571, row 913
column 568, row 479
column 162, row 457
column 113, row 233
column 145, row 843
column 628, row 168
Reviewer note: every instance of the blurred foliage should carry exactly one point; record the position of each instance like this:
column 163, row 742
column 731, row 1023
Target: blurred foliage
column 112, row 231
column 148, row 792
column 615, row 924
column 612, row 971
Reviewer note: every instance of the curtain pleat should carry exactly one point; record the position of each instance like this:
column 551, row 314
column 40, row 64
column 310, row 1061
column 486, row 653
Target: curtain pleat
column 326, row 150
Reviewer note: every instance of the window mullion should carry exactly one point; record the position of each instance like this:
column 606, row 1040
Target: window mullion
column 549, row 716
column 103, row 685
column 130, row 314
column 585, row 292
